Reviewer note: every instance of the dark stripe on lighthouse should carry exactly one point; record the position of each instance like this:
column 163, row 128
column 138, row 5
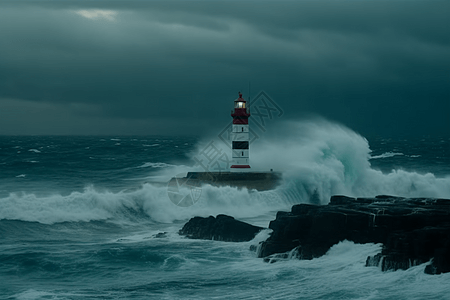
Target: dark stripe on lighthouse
column 240, row 145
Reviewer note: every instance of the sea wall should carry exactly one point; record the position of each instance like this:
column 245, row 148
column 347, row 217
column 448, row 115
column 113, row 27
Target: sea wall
column 260, row 181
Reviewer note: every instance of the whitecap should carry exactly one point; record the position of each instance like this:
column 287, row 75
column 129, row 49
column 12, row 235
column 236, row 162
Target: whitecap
column 155, row 165
column 386, row 155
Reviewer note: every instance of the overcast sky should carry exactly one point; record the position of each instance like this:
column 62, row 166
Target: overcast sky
column 166, row 67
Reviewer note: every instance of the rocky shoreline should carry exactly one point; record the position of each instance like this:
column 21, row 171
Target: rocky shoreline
column 412, row 230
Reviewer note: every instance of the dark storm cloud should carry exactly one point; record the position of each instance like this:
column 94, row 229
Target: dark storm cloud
column 129, row 67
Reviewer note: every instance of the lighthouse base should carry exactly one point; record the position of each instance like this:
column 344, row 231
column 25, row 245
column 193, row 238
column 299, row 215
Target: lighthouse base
column 260, row 181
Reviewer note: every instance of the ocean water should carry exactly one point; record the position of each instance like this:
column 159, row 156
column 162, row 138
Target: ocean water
column 90, row 217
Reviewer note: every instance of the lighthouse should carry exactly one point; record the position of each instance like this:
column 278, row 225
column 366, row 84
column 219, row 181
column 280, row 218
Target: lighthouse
column 240, row 134
column 240, row 176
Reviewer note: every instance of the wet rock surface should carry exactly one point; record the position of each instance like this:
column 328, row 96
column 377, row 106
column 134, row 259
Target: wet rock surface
column 221, row 228
column 412, row 230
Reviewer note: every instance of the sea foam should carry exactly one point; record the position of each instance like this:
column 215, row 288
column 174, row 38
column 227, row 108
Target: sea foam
column 318, row 159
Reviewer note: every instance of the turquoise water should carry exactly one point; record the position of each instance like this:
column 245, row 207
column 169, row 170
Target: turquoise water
column 89, row 217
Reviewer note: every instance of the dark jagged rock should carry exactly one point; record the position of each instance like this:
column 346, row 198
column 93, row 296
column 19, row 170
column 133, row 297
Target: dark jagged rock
column 413, row 231
column 221, row 228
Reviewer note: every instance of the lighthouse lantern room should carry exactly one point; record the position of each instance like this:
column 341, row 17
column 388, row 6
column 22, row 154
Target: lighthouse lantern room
column 240, row 134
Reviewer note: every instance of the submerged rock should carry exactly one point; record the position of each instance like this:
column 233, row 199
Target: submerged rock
column 160, row 235
column 413, row 231
column 221, row 228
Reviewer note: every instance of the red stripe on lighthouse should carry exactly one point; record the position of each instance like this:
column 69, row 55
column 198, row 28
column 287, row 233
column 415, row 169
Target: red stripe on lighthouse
column 240, row 121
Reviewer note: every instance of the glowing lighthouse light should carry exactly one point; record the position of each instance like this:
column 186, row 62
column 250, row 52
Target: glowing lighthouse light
column 240, row 134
